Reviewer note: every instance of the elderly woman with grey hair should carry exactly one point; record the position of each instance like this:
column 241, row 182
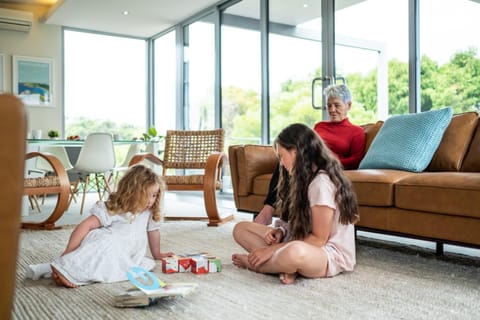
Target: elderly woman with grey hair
column 345, row 140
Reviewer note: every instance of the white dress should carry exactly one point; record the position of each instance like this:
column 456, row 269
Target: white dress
column 106, row 253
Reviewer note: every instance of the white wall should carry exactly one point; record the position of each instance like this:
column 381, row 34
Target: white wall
column 43, row 41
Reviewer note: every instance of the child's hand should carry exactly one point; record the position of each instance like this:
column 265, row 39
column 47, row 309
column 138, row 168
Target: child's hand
column 273, row 236
column 160, row 256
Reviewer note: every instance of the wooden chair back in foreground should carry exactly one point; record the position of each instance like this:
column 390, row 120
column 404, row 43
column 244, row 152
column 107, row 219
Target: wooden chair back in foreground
column 12, row 163
column 55, row 183
column 198, row 151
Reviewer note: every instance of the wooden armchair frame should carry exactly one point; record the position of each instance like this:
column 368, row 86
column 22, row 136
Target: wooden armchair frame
column 12, row 154
column 56, row 184
column 200, row 150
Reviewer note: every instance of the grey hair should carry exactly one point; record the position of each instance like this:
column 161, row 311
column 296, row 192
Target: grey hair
column 339, row 91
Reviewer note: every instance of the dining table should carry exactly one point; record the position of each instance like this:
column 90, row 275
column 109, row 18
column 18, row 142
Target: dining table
column 73, row 146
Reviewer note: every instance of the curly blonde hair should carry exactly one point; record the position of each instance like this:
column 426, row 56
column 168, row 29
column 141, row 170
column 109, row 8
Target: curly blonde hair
column 132, row 196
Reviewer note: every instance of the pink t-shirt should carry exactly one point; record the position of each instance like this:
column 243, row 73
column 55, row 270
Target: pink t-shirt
column 340, row 246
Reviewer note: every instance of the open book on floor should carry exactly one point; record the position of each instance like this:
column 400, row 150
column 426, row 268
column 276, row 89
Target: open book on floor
column 148, row 289
column 138, row 298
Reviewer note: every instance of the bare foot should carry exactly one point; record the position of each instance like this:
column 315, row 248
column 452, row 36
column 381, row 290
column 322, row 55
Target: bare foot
column 61, row 280
column 240, row 260
column 288, row 278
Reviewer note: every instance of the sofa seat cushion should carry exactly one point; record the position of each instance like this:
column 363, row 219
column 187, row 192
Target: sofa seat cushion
column 453, row 193
column 375, row 187
column 261, row 183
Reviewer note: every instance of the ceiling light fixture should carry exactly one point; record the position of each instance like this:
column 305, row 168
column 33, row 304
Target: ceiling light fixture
column 125, row 13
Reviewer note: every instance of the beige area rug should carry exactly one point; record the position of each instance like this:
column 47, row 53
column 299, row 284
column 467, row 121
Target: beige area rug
column 388, row 283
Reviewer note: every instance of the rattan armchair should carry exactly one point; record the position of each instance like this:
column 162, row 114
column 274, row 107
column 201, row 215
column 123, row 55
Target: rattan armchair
column 199, row 155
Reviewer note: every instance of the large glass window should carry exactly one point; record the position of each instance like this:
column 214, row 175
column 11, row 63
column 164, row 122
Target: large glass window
column 449, row 50
column 290, row 89
column 199, row 75
column 165, row 83
column 105, row 81
column 241, row 73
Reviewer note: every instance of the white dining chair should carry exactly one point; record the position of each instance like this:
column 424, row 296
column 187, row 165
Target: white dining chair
column 58, row 151
column 97, row 158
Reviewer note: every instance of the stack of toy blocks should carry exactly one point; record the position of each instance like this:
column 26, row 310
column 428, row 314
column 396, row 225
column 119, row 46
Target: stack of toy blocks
column 198, row 263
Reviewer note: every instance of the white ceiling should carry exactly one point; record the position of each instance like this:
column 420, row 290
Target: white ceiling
column 145, row 18
column 149, row 17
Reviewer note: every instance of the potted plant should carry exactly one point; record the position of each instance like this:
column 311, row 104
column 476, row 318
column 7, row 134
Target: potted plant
column 53, row 134
column 152, row 137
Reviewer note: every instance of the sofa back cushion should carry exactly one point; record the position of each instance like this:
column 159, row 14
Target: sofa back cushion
column 455, row 142
column 371, row 130
column 407, row 142
column 471, row 162
column 255, row 160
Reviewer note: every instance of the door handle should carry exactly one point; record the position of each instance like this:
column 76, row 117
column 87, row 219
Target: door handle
column 329, row 80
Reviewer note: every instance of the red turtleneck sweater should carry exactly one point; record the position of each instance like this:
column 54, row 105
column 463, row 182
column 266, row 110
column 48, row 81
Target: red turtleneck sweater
column 346, row 140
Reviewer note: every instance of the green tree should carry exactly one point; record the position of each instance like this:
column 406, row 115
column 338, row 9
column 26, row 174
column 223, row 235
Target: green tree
column 83, row 126
column 241, row 115
column 460, row 78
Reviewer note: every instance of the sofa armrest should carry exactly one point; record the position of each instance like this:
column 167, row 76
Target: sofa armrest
column 248, row 162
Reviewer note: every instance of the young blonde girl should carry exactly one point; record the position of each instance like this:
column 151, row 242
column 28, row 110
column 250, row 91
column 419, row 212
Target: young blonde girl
column 315, row 235
column 114, row 237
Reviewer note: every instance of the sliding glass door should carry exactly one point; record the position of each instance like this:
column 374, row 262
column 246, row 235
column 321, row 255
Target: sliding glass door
column 330, row 42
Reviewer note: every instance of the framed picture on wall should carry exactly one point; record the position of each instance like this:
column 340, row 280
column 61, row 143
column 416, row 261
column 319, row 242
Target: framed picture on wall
column 33, row 80
column 2, row 73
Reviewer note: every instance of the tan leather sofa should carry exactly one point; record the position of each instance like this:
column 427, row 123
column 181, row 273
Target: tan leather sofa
column 441, row 204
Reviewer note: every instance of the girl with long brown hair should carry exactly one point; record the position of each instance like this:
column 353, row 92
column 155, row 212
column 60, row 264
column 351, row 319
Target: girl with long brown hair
column 315, row 235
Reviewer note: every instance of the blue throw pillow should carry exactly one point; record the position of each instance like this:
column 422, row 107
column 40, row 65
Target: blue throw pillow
column 407, row 142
